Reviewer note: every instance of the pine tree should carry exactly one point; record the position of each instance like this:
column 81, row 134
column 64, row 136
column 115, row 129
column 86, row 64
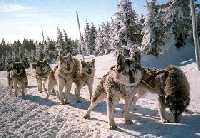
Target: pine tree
column 152, row 30
column 103, row 39
column 125, row 26
column 86, row 38
column 100, row 46
column 92, row 39
column 60, row 41
column 166, row 22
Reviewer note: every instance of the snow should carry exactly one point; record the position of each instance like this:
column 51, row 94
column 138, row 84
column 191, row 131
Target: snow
column 172, row 55
column 36, row 116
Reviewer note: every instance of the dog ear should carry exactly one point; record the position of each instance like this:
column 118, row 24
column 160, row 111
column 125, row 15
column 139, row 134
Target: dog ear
column 93, row 61
column 120, row 59
column 69, row 55
column 120, row 62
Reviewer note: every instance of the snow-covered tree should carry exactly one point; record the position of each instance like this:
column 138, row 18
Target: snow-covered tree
column 92, row 38
column 153, row 30
column 164, row 23
column 86, row 38
column 100, row 47
column 125, row 26
column 103, row 40
column 90, row 35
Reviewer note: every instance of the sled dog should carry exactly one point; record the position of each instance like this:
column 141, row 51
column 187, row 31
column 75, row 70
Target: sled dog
column 172, row 88
column 17, row 78
column 118, row 83
column 63, row 75
column 42, row 70
column 85, row 77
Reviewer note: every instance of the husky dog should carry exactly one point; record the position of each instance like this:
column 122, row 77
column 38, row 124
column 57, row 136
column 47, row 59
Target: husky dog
column 172, row 88
column 17, row 78
column 85, row 77
column 63, row 75
column 42, row 70
column 118, row 83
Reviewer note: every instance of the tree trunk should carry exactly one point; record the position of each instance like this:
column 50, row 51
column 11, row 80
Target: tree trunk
column 195, row 34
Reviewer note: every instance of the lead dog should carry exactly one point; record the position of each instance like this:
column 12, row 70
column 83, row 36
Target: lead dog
column 17, row 78
column 118, row 83
column 42, row 69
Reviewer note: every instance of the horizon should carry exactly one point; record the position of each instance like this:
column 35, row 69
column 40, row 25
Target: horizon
column 27, row 18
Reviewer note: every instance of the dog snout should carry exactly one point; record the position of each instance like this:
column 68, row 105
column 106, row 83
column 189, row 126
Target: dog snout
column 89, row 71
column 176, row 116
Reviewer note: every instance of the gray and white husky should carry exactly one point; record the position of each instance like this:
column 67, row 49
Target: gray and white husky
column 118, row 83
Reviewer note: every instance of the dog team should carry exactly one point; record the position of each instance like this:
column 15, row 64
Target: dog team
column 127, row 80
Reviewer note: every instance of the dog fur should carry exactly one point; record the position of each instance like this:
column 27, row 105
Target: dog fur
column 118, row 83
column 85, row 77
column 172, row 88
column 63, row 76
column 43, row 70
column 17, row 78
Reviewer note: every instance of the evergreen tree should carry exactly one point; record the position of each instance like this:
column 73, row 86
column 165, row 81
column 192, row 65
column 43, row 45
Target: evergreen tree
column 92, row 39
column 103, row 39
column 125, row 26
column 100, row 47
column 166, row 22
column 86, row 38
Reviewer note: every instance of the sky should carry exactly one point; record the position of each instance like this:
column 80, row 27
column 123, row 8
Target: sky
column 27, row 18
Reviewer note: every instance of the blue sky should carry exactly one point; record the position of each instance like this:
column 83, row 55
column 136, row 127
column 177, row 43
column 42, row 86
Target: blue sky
column 27, row 18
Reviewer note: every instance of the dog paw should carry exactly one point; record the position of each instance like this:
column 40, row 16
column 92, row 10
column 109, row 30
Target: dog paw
column 129, row 122
column 165, row 121
column 113, row 127
column 87, row 116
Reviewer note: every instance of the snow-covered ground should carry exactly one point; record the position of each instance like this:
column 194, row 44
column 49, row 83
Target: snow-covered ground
column 38, row 117
column 176, row 56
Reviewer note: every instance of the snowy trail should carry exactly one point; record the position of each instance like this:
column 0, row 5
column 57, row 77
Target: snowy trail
column 37, row 117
